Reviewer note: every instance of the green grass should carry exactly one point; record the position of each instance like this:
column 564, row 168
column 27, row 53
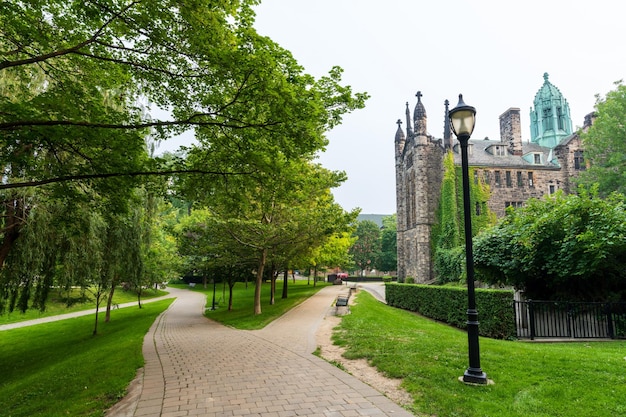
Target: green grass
column 56, row 304
column 60, row 369
column 242, row 314
column 531, row 379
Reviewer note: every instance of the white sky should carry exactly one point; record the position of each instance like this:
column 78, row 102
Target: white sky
column 494, row 52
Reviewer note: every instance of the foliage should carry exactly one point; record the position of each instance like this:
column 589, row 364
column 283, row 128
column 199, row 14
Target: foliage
column 278, row 215
column 561, row 247
column 388, row 260
column 334, row 253
column 82, row 89
column 531, row 379
column 448, row 234
column 605, row 143
column 450, row 265
column 59, row 369
column 366, row 249
column 449, row 305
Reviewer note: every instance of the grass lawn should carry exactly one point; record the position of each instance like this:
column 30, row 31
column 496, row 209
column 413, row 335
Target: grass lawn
column 60, row 369
column 56, row 305
column 242, row 314
column 531, row 379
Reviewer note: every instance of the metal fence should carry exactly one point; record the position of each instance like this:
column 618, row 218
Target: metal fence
column 549, row 319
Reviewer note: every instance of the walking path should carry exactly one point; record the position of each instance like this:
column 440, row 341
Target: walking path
column 77, row 313
column 196, row 367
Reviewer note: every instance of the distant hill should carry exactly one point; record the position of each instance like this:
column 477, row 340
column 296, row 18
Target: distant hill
column 376, row 218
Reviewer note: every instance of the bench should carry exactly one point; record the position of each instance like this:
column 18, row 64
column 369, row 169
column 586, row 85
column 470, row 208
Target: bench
column 342, row 301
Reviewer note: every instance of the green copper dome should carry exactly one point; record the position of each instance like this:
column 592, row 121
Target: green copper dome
column 550, row 120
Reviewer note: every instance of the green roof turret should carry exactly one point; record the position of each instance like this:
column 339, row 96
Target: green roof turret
column 550, row 120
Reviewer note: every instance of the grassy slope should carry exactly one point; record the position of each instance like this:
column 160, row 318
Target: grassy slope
column 55, row 305
column 60, row 369
column 531, row 379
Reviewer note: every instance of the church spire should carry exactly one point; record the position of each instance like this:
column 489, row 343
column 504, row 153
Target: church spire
column 419, row 116
column 409, row 129
column 447, row 133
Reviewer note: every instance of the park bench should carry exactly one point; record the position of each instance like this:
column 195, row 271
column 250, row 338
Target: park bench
column 342, row 301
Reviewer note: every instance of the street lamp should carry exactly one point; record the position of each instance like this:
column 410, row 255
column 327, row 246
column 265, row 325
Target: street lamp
column 463, row 119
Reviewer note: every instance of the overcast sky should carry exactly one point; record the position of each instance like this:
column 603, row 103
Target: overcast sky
column 494, row 52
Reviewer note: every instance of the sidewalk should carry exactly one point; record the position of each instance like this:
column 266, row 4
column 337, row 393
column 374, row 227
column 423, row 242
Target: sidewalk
column 77, row 313
column 196, row 367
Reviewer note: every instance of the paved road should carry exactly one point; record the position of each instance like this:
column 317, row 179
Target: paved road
column 196, row 367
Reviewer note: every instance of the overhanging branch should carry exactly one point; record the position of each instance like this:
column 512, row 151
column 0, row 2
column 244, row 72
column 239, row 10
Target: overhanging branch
column 67, row 178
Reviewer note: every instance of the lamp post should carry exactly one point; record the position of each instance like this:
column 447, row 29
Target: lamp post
column 463, row 119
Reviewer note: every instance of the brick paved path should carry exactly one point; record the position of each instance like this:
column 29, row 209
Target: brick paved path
column 195, row 367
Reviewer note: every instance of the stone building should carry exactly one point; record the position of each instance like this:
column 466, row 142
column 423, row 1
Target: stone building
column 515, row 170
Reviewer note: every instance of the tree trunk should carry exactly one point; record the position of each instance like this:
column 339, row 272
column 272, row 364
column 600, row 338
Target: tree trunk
column 314, row 275
column 14, row 220
column 107, row 316
column 272, row 289
column 230, row 295
column 259, row 282
column 285, row 282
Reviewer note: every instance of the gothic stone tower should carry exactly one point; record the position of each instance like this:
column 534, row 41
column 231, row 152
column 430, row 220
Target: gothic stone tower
column 514, row 170
column 419, row 171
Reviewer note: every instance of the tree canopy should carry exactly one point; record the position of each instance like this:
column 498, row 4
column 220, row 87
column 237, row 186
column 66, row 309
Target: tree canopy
column 605, row 143
column 561, row 247
column 84, row 86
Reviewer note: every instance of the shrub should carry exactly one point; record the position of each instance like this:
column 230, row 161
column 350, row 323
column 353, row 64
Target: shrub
column 449, row 305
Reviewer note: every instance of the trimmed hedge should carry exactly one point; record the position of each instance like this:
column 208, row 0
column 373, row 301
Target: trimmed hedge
column 449, row 305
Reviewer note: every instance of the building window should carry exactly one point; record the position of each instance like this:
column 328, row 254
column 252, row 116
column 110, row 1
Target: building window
column 579, row 161
column 531, row 180
column 475, row 177
column 478, row 211
column 486, row 177
column 551, row 189
column 499, row 150
column 497, row 178
column 509, row 180
column 538, row 159
column 514, row 204
column 520, row 181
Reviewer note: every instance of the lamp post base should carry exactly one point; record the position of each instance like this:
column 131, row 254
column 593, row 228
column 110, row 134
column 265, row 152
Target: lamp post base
column 472, row 376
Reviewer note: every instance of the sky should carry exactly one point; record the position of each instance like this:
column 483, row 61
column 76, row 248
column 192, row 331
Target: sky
column 494, row 52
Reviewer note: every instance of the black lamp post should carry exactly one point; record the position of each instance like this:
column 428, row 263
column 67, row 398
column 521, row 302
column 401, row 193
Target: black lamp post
column 463, row 119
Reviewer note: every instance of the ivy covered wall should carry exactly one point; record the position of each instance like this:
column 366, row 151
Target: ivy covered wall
column 448, row 233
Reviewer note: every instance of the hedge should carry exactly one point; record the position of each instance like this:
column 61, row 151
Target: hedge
column 449, row 305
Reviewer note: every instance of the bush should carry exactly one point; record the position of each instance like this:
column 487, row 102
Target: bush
column 449, row 305
column 409, row 280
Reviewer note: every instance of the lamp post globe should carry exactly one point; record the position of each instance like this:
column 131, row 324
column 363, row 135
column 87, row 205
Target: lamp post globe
column 463, row 120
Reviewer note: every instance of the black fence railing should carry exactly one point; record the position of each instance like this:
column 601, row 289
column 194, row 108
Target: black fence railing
column 550, row 319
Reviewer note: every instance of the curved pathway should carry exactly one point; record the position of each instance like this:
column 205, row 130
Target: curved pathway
column 196, row 367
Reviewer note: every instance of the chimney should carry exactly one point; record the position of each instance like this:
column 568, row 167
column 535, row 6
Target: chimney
column 511, row 130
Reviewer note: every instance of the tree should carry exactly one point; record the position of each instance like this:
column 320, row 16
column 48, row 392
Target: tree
column 79, row 83
column 366, row 249
column 389, row 244
column 562, row 247
column 605, row 143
